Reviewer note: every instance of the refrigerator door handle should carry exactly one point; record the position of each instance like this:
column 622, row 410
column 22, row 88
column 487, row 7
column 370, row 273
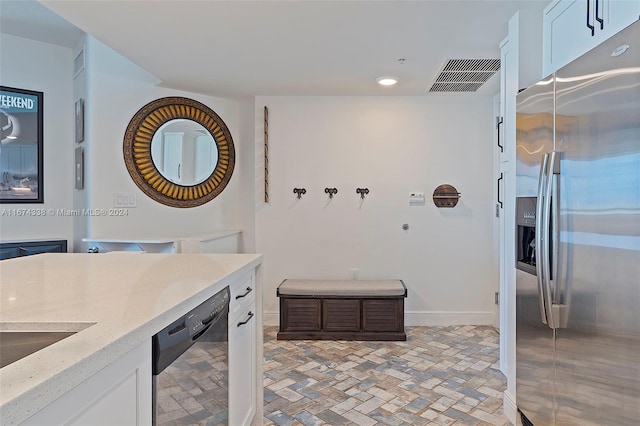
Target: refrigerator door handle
column 540, row 252
column 548, row 240
column 559, row 309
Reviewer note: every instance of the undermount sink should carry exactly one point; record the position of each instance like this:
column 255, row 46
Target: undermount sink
column 15, row 345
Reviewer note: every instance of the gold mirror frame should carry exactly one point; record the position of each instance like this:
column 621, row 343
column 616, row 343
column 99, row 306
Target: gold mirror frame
column 143, row 171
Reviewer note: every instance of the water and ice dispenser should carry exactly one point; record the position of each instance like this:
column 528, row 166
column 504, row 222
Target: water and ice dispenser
column 526, row 234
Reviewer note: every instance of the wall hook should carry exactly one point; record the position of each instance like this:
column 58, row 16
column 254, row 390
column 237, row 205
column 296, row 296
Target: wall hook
column 362, row 192
column 331, row 192
column 300, row 192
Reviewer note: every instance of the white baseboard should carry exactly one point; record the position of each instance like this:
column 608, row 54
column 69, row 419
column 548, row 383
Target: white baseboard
column 444, row 318
column 423, row 318
column 509, row 407
column 271, row 318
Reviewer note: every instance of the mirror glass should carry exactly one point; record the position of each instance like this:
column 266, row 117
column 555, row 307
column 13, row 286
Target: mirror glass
column 184, row 152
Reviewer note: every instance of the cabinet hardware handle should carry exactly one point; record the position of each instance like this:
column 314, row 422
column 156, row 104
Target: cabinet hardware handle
column 247, row 320
column 499, row 179
column 240, row 296
column 499, row 121
column 591, row 27
column 598, row 17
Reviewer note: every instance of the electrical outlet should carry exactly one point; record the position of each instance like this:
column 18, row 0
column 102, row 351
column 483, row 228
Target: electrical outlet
column 124, row 199
column 355, row 273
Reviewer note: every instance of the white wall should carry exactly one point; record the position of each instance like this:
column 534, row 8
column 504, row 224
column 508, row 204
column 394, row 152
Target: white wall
column 33, row 65
column 117, row 89
column 248, row 153
column 393, row 146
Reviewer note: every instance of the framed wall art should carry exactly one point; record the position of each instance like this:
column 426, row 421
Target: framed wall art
column 21, row 146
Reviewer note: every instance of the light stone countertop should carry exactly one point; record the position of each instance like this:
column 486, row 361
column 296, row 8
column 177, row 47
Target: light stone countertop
column 117, row 300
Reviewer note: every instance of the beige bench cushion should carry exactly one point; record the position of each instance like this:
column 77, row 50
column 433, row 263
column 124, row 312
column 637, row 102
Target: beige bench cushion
column 363, row 288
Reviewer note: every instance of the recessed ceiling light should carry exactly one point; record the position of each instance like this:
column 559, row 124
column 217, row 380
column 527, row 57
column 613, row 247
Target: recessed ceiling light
column 386, row 80
column 620, row 50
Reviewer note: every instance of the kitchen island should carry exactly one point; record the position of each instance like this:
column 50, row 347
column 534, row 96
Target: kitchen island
column 115, row 303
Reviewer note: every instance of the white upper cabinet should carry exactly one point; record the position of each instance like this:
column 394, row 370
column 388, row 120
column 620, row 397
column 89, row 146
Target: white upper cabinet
column 572, row 27
column 519, row 67
column 618, row 15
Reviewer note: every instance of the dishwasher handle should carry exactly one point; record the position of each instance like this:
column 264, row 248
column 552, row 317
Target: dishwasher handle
column 169, row 344
column 208, row 323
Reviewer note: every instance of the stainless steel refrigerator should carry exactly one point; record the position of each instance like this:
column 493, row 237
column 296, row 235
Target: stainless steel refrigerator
column 578, row 238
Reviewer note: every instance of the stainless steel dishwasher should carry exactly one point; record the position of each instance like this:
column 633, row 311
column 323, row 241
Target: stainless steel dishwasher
column 191, row 368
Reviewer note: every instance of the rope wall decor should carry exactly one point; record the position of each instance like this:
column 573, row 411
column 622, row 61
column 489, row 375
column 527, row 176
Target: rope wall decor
column 266, row 154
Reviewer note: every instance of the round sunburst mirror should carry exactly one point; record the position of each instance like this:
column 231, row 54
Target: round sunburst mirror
column 179, row 152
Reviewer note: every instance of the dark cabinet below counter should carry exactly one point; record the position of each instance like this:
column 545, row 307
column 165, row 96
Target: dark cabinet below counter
column 12, row 249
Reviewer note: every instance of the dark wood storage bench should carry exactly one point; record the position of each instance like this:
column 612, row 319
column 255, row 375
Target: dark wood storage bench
column 342, row 310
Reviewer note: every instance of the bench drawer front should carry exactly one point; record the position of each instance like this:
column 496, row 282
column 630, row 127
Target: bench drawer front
column 341, row 315
column 300, row 314
column 383, row 315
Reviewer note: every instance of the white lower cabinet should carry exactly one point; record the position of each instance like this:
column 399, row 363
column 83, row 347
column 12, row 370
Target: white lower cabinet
column 119, row 394
column 242, row 367
column 243, row 355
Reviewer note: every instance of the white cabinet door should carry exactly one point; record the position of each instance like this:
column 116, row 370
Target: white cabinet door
column 242, row 368
column 119, row 394
column 519, row 68
column 243, row 294
column 508, row 91
column 618, row 14
column 572, row 27
column 565, row 32
column 505, row 63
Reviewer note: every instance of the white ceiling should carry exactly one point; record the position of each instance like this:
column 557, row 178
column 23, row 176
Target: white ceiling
column 29, row 19
column 298, row 47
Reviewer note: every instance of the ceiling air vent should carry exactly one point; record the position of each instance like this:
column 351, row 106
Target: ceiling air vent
column 464, row 75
